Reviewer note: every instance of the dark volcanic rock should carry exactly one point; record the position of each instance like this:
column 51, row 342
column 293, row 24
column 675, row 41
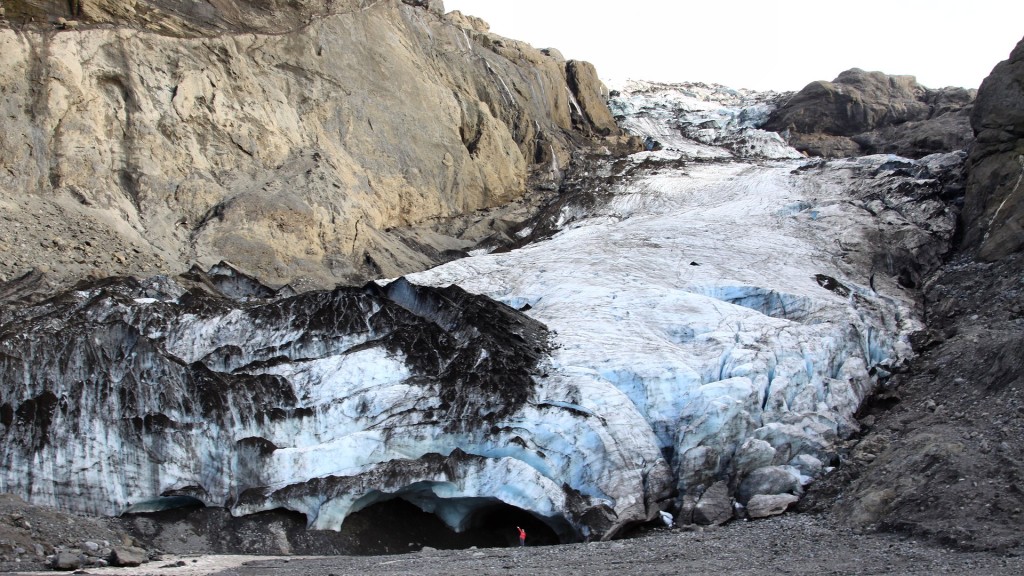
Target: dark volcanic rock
column 994, row 207
column 870, row 112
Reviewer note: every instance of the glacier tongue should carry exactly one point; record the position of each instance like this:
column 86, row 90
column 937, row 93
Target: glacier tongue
column 714, row 317
column 744, row 307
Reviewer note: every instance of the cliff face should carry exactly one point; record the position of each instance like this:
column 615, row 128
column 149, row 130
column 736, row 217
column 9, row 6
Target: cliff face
column 994, row 206
column 315, row 143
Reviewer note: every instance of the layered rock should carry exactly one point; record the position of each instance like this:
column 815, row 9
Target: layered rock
column 994, row 206
column 314, row 143
column 870, row 112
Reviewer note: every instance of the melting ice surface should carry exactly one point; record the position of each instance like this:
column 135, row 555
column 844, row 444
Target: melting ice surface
column 714, row 297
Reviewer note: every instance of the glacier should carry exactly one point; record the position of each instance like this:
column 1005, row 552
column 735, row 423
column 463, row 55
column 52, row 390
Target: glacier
column 717, row 315
column 745, row 299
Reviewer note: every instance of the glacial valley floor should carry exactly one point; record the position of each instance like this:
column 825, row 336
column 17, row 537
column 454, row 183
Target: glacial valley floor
column 789, row 544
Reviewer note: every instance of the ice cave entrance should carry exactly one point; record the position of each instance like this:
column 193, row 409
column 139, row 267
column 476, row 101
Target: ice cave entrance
column 414, row 518
column 163, row 504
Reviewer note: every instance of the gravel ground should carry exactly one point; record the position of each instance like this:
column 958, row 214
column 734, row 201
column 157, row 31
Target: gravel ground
column 790, row 544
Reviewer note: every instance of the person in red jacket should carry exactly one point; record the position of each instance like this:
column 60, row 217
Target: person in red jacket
column 522, row 536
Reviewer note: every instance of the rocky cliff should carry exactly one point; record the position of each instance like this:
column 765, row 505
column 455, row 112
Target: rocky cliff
column 994, row 207
column 870, row 113
column 308, row 142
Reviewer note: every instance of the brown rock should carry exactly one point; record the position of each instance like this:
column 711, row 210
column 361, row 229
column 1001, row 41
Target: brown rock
column 765, row 505
column 591, row 95
column 128, row 556
column 714, row 506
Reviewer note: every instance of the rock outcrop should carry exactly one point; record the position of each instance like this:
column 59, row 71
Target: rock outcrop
column 313, row 142
column 870, row 113
column 993, row 212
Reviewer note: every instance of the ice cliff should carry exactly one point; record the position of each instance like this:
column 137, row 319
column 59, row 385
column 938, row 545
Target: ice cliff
column 123, row 392
column 745, row 301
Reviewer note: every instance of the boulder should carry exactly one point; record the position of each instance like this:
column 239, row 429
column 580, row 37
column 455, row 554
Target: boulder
column 715, row 506
column 993, row 213
column 769, row 480
column 66, row 561
column 764, row 505
column 128, row 556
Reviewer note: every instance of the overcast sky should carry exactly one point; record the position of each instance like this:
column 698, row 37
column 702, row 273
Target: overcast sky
column 766, row 44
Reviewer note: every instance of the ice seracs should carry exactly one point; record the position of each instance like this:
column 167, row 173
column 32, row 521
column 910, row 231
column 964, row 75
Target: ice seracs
column 734, row 303
column 701, row 121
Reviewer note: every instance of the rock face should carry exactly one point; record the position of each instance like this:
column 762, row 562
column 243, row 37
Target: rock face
column 870, row 112
column 994, row 207
column 314, row 142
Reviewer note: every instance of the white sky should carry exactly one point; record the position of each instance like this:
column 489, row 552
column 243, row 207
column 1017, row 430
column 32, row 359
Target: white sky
column 766, row 44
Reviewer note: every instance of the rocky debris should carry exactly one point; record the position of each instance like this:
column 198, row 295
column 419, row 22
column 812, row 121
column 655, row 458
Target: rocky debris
column 800, row 544
column 870, row 112
column 89, row 554
column 940, row 457
column 994, row 206
column 39, row 538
